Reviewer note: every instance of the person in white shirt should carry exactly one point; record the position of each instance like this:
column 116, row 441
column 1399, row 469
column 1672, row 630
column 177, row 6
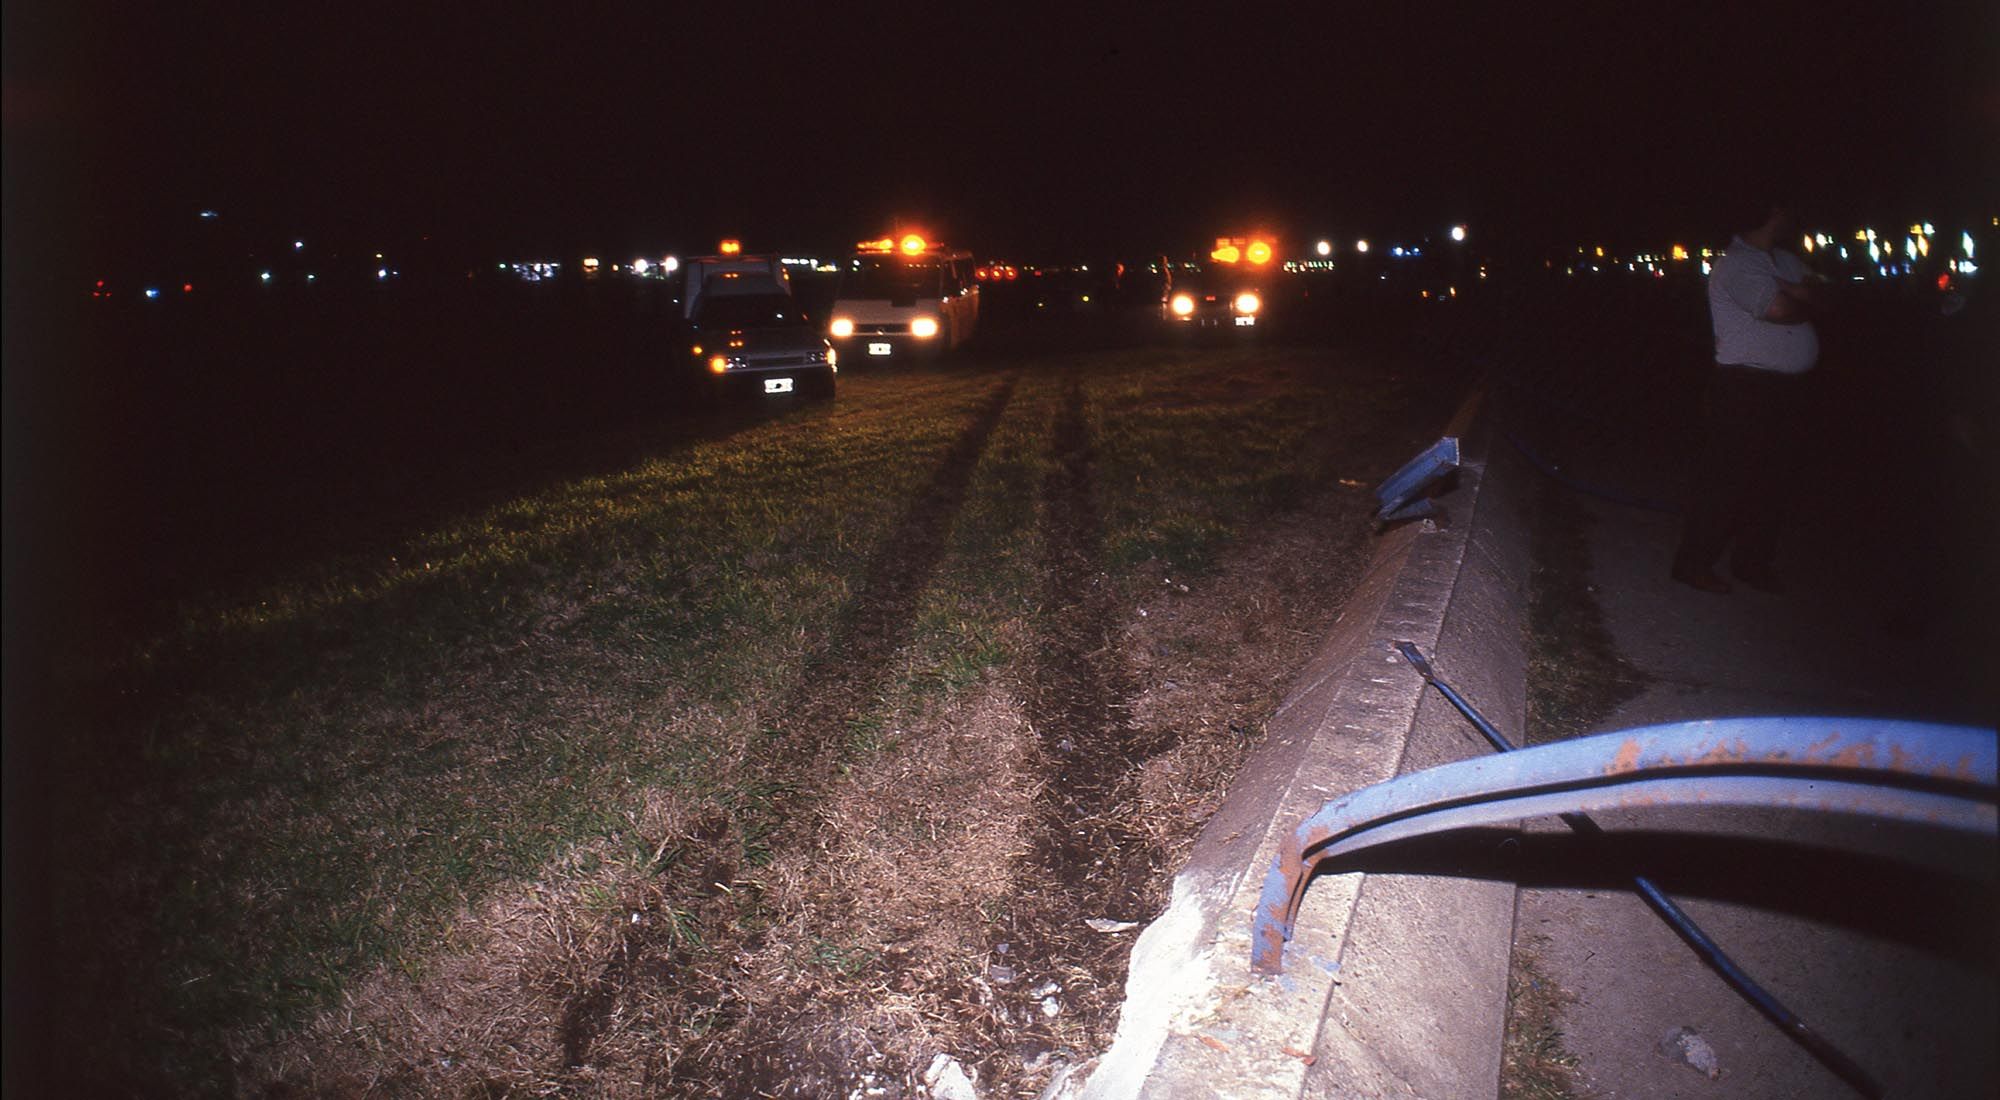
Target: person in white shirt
column 1761, row 304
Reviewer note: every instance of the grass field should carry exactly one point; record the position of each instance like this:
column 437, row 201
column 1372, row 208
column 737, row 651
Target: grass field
column 602, row 768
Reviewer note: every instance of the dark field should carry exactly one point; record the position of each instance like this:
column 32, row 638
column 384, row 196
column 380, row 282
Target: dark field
column 400, row 669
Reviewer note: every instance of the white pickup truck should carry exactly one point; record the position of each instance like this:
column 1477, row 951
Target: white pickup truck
column 745, row 330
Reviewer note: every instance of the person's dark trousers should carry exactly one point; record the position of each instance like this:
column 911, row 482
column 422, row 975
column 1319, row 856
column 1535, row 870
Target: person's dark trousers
column 1740, row 487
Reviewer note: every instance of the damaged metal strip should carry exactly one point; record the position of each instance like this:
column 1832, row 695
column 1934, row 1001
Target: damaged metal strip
column 1923, row 773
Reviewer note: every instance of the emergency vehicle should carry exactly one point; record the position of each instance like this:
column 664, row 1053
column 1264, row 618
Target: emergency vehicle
column 744, row 329
column 904, row 297
column 1226, row 291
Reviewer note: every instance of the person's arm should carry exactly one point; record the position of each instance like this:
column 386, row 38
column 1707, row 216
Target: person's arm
column 1791, row 305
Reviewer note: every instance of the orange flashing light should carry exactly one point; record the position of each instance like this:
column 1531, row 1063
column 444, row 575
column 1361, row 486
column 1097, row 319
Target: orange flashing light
column 718, row 365
column 1226, row 254
column 732, row 247
column 912, row 244
column 1259, row 252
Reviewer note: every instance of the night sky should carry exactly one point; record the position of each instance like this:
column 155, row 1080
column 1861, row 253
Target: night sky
column 1013, row 129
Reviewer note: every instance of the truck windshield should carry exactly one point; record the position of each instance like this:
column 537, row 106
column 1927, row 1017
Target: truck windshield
column 747, row 310
column 892, row 279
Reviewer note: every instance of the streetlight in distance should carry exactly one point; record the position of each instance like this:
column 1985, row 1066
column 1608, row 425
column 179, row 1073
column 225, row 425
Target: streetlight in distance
column 1457, row 232
column 1324, row 248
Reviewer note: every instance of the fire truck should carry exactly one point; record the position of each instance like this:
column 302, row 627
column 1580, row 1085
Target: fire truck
column 903, row 297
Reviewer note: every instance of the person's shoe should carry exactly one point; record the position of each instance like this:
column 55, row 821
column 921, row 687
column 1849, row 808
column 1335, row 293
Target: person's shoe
column 1763, row 580
column 1703, row 580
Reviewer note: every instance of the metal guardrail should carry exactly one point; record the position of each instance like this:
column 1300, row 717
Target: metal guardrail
column 1401, row 495
column 1928, row 774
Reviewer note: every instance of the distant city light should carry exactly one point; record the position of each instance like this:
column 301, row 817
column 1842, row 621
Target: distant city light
column 208, row 215
column 1705, row 267
column 1874, row 251
column 1965, row 243
column 1325, row 248
column 1910, row 247
column 639, row 267
column 1924, row 245
column 152, row 292
column 1808, row 239
column 1930, row 230
column 1457, row 232
column 670, row 265
column 187, row 288
column 296, row 245
column 1361, row 245
column 310, row 276
column 264, row 276
column 1680, row 252
column 381, row 273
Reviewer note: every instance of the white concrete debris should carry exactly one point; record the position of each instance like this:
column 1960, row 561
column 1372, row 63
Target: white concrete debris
column 1686, row 1046
column 946, row 1079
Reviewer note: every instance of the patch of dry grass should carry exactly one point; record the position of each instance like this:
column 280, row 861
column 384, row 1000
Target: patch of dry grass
column 1534, row 1062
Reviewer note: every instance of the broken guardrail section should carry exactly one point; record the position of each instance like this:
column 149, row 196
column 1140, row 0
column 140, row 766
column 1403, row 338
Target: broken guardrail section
column 1402, row 496
column 1929, row 774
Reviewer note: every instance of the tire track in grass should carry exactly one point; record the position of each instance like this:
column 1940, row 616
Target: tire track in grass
column 1087, row 859
column 812, row 728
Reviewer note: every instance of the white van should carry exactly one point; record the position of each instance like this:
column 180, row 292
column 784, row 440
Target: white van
column 902, row 299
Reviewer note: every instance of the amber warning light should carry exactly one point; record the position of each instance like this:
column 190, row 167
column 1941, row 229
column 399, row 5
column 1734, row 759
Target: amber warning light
column 1229, row 250
column 732, row 247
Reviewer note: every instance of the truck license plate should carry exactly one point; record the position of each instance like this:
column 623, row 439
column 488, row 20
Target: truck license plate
column 1246, row 320
column 878, row 349
column 777, row 385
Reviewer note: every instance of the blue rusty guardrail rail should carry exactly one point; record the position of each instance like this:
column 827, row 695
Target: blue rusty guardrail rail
column 1929, row 774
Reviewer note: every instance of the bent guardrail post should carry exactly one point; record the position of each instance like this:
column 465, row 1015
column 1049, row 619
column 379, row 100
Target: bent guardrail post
column 1668, row 910
column 1401, row 495
column 1928, row 774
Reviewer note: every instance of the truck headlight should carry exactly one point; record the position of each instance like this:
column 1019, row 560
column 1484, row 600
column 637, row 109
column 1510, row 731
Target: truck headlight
column 842, row 327
column 924, row 327
column 1248, row 302
column 1183, row 305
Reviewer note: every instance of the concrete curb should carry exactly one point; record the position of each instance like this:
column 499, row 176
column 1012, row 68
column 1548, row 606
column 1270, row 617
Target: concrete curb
column 1394, row 985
